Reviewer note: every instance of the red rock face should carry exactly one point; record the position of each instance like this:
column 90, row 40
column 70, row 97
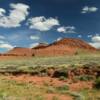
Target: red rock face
column 53, row 51
column 66, row 46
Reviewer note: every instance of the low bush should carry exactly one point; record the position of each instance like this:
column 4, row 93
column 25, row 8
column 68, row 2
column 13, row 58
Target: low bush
column 63, row 88
column 50, row 90
column 84, row 78
column 97, row 83
column 62, row 78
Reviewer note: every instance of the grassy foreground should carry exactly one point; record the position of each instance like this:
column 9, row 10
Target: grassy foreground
column 52, row 61
column 14, row 90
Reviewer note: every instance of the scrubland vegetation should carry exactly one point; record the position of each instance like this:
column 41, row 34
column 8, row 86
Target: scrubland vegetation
column 65, row 74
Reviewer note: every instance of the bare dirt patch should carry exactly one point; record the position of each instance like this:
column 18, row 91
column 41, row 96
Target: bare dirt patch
column 40, row 81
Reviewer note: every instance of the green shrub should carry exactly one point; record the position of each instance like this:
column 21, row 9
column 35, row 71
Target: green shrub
column 97, row 83
column 62, row 78
column 39, row 97
column 84, row 78
column 63, row 88
column 77, row 96
column 50, row 90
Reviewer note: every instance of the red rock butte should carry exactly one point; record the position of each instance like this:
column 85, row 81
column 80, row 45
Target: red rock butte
column 66, row 46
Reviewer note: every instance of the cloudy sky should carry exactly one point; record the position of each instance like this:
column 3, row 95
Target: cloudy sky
column 25, row 23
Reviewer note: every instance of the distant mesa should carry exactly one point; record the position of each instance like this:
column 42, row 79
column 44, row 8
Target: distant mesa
column 66, row 46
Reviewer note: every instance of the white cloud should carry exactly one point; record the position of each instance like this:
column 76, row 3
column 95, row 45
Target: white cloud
column 41, row 23
column 1, row 42
column 58, row 39
column 32, row 37
column 68, row 29
column 80, row 36
column 17, row 14
column 95, row 41
column 2, row 11
column 6, row 46
column 96, row 38
column 87, row 9
column 2, row 37
column 96, row 45
column 89, row 36
column 33, row 45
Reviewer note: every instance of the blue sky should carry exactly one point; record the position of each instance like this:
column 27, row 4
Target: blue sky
column 25, row 23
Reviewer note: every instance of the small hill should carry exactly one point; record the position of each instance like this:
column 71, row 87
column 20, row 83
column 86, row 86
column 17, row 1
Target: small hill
column 74, row 43
column 19, row 51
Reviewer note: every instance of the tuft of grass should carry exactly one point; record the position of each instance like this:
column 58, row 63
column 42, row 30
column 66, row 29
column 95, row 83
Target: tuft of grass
column 55, row 98
column 39, row 97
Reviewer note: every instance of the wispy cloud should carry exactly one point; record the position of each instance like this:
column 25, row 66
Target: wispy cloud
column 6, row 45
column 32, row 37
column 88, row 9
column 80, row 36
column 2, row 37
column 89, row 36
column 68, row 29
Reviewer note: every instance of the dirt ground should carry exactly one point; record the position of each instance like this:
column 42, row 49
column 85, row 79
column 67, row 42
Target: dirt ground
column 36, row 80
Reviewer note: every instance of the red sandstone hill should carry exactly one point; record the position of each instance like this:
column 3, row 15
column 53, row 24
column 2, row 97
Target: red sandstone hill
column 74, row 43
column 19, row 51
column 63, row 47
column 66, row 46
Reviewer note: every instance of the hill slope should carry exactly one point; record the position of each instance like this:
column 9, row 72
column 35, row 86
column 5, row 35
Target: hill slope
column 19, row 51
column 63, row 47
